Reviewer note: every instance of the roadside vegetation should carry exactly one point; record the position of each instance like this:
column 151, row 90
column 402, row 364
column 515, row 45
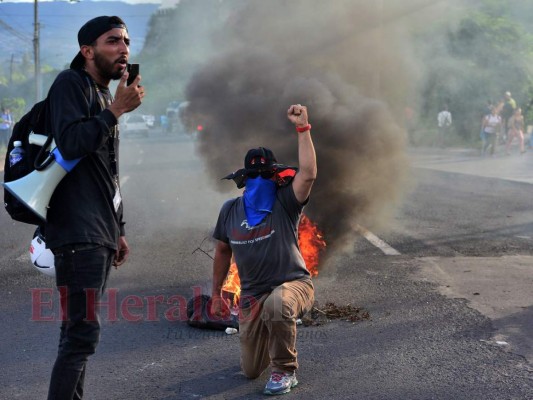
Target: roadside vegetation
column 470, row 55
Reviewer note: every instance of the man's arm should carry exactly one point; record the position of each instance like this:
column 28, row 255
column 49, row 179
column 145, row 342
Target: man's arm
column 221, row 266
column 76, row 134
column 304, row 179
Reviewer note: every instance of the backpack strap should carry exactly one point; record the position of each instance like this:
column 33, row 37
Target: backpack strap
column 111, row 139
column 90, row 89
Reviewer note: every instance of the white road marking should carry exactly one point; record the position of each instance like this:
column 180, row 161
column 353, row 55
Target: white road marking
column 140, row 160
column 380, row 244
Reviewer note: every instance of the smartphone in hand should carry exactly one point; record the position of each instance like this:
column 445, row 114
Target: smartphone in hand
column 133, row 70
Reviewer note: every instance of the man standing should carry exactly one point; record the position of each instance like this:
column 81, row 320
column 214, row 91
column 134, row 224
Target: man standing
column 444, row 121
column 260, row 230
column 84, row 227
column 507, row 111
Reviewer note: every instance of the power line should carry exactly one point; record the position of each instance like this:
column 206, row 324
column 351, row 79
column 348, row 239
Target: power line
column 14, row 32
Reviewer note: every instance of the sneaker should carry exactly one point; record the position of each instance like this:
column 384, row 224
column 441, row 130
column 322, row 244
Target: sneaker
column 280, row 383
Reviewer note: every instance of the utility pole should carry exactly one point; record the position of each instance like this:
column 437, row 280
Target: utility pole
column 11, row 69
column 379, row 49
column 36, row 52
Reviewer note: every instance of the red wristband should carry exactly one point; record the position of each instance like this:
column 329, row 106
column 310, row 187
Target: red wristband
column 303, row 128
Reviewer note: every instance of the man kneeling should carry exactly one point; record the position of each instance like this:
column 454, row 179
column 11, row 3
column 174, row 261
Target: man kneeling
column 260, row 230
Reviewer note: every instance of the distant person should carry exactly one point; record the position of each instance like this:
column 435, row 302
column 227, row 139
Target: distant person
column 444, row 122
column 6, row 125
column 507, row 111
column 164, row 123
column 516, row 130
column 84, row 227
column 487, row 110
column 260, row 230
column 490, row 126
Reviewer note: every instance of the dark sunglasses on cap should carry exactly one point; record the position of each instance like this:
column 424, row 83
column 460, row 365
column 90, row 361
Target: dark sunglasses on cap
column 264, row 174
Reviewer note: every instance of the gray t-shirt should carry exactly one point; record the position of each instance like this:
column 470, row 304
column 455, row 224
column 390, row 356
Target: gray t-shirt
column 267, row 255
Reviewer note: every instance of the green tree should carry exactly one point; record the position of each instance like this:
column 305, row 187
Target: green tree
column 16, row 105
column 488, row 54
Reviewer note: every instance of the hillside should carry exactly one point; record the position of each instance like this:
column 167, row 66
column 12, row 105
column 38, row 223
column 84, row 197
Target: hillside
column 60, row 22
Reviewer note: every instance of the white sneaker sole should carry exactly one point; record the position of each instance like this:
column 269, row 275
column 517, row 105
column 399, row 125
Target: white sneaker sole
column 270, row 393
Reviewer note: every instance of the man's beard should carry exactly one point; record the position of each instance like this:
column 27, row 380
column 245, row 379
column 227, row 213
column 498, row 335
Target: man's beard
column 105, row 68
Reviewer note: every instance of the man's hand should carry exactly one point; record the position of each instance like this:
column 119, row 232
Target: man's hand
column 122, row 252
column 219, row 307
column 297, row 114
column 127, row 98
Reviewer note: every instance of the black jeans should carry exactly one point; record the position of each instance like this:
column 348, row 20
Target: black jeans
column 81, row 274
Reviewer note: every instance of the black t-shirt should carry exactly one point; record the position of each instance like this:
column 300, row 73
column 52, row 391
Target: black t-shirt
column 81, row 208
column 508, row 110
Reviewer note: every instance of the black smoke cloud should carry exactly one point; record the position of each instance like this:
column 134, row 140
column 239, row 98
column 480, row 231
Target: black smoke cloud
column 347, row 65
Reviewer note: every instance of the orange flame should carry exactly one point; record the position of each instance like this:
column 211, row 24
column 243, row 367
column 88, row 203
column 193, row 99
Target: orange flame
column 311, row 243
column 232, row 284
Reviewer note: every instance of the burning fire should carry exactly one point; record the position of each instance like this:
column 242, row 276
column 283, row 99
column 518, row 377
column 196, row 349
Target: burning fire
column 232, row 284
column 311, row 244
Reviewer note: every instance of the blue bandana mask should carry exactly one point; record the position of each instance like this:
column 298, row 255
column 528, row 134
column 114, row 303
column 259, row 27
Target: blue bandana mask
column 259, row 196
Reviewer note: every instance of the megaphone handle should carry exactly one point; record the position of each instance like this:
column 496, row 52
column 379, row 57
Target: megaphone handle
column 37, row 139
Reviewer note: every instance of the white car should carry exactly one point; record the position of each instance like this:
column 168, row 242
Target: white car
column 150, row 120
column 135, row 125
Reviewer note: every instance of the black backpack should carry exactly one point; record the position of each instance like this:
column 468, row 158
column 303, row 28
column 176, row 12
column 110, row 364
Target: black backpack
column 33, row 121
column 36, row 157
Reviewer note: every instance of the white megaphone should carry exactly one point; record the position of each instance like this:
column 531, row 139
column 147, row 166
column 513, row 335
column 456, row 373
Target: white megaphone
column 35, row 189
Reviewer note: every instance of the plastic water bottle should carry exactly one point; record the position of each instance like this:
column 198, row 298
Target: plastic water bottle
column 17, row 154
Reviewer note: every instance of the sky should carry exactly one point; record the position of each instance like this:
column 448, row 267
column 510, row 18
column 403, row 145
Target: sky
column 59, row 24
column 125, row 1
column 164, row 3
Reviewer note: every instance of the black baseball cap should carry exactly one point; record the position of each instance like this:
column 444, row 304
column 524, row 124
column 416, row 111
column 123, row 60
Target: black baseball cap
column 256, row 160
column 260, row 159
column 91, row 31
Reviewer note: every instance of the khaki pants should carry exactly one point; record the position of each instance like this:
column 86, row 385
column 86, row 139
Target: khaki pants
column 267, row 328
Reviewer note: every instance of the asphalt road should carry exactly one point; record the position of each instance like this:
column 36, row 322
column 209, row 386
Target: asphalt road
column 451, row 315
